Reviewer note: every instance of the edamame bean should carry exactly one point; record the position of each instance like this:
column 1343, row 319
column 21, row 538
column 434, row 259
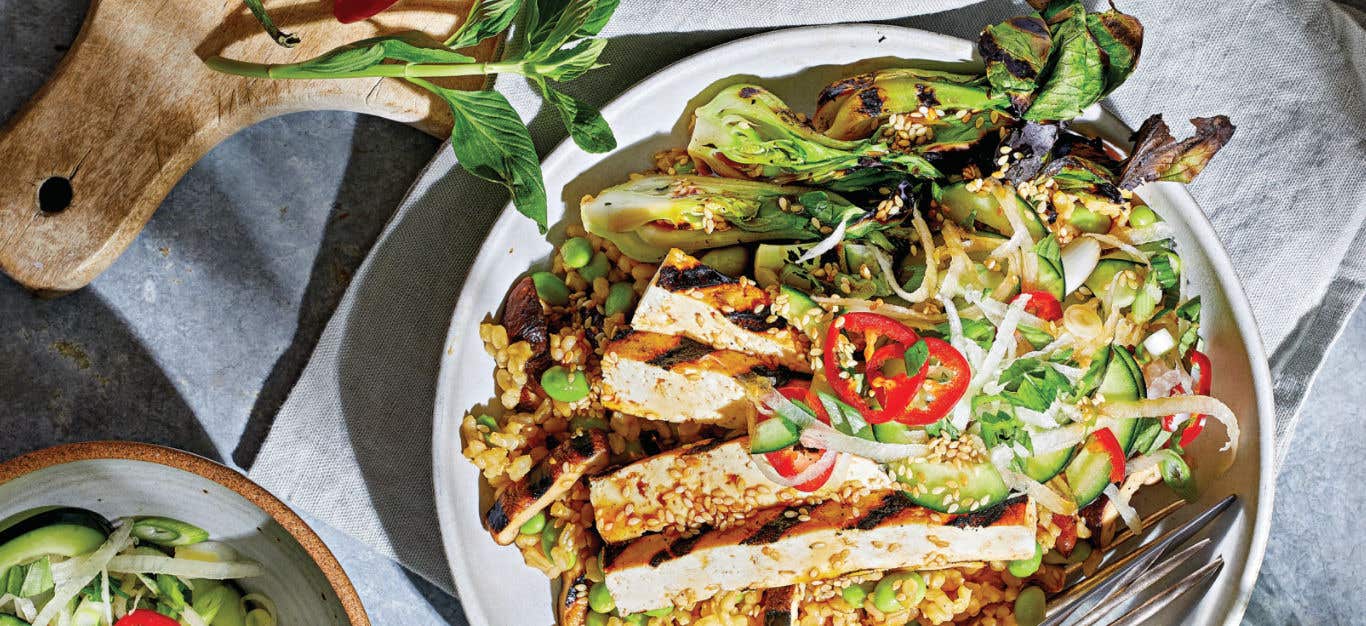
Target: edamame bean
column 636, row 619
column 576, row 252
column 596, row 268
column 565, row 385
column 1030, row 606
column 1023, row 568
column 550, row 535
column 596, row 619
column 620, row 298
column 534, row 525
column 729, row 261
column 1080, row 552
column 660, row 612
column 885, row 594
column 854, row 595
column 600, row 599
column 551, row 288
column 1142, row 216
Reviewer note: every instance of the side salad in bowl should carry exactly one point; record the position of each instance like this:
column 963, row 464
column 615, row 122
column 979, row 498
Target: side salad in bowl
column 905, row 359
column 72, row 566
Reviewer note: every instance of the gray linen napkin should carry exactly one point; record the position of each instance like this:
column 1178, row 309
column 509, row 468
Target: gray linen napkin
column 352, row 443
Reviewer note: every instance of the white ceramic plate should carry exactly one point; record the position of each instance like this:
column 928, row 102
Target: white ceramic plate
column 494, row 585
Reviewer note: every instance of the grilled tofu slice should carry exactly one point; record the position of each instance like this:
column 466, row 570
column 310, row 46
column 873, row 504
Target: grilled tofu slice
column 781, row 604
column 573, row 598
column 568, row 462
column 691, row 299
column 710, row 482
column 676, row 379
column 790, row 545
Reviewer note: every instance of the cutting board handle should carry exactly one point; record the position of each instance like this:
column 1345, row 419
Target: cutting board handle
column 132, row 107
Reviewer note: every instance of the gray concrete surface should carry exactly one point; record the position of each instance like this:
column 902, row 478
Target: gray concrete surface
column 196, row 334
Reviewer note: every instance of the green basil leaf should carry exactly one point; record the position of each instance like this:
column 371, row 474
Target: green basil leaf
column 1048, row 249
column 584, row 123
column 288, row 40
column 486, row 19
column 1090, row 381
column 416, row 47
column 1078, row 76
column 597, row 20
column 1016, row 52
column 567, row 64
column 492, row 143
column 916, row 357
column 1159, row 156
column 554, row 33
column 1120, row 38
column 943, row 428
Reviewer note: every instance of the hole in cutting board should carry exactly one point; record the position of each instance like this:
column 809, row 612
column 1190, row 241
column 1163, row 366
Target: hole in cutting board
column 55, row 194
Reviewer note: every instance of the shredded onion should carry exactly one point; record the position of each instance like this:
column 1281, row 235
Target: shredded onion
column 827, row 244
column 1146, row 462
column 1116, row 242
column 1168, row 379
column 1125, row 510
column 995, row 310
column 824, row 437
column 1010, row 205
column 1041, row 493
column 1056, row 439
column 1153, row 232
column 184, row 568
column 23, row 607
column 1046, row 419
column 192, row 618
column 909, row 316
column 90, row 567
column 1073, row 374
column 1159, row 407
column 813, row 471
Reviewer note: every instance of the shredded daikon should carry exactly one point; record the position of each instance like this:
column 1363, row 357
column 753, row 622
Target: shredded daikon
column 184, row 568
column 1158, row 407
column 906, row 315
column 23, row 607
column 827, row 244
column 90, row 567
column 1116, row 242
column 1153, row 232
column 824, row 437
column 1125, row 510
column 1010, row 205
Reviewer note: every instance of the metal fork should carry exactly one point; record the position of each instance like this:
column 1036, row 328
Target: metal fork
column 1129, row 576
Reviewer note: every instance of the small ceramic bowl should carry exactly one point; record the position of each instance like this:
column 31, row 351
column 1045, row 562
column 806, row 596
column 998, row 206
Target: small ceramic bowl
column 117, row 479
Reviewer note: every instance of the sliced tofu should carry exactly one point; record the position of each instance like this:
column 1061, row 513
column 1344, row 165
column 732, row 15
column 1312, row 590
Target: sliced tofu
column 791, row 545
column 781, row 604
column 691, row 299
column 709, row 482
column 573, row 598
column 676, row 379
column 567, row 463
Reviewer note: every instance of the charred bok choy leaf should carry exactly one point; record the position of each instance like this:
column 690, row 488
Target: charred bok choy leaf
column 748, row 132
column 1159, row 156
column 555, row 42
column 854, row 107
column 647, row 216
column 1054, row 64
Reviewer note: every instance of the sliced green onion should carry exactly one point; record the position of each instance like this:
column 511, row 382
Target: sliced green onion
column 1177, row 475
column 168, row 532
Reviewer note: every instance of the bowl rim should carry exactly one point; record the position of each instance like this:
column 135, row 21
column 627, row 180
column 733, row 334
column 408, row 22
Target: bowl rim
column 308, row 539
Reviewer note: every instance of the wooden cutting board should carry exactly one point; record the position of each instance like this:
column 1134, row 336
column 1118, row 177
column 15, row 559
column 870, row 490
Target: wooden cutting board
column 131, row 107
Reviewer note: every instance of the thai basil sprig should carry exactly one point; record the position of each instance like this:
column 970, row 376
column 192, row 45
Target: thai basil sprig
column 555, row 42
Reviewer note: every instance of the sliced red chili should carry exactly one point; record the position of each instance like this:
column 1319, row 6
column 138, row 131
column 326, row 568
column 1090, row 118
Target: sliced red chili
column 940, row 396
column 894, row 393
column 348, row 11
column 1202, row 372
column 1104, row 440
column 144, row 617
column 794, row 460
column 1042, row 305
